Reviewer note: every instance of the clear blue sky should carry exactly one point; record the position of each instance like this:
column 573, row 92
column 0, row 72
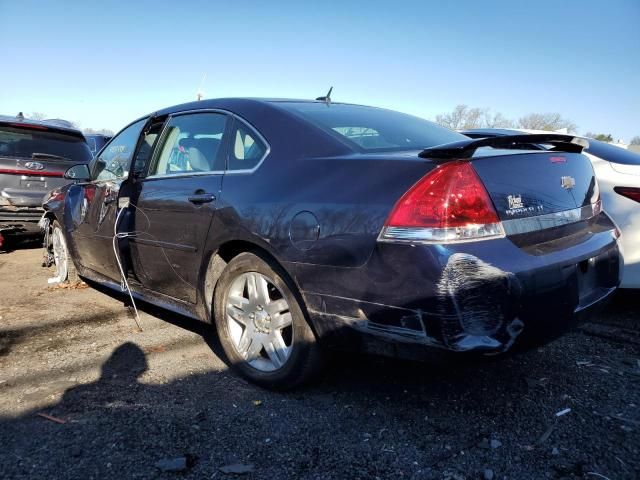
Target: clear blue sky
column 102, row 64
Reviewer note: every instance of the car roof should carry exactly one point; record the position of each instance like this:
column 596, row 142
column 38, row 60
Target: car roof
column 55, row 123
column 235, row 102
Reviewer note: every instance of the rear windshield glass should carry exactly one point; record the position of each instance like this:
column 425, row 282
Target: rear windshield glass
column 25, row 142
column 374, row 129
column 613, row 154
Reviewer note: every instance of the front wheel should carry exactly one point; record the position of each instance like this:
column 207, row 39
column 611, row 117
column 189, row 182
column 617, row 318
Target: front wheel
column 65, row 270
column 261, row 324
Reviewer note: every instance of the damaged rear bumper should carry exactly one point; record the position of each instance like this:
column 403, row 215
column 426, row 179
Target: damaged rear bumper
column 487, row 297
column 23, row 220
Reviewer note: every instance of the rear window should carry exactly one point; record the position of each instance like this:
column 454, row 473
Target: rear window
column 24, row 142
column 374, row 129
column 613, row 154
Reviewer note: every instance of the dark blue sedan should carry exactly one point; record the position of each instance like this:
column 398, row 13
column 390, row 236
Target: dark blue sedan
column 294, row 226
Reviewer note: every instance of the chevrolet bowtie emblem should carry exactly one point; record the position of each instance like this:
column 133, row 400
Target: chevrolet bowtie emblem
column 568, row 182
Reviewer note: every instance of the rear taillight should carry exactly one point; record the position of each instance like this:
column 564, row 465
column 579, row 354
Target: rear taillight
column 55, row 196
column 449, row 204
column 629, row 192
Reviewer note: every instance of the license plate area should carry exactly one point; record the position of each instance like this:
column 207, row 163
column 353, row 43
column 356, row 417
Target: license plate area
column 587, row 274
column 33, row 183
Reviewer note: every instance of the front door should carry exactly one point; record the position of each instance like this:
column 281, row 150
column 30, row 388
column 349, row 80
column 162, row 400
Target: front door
column 92, row 207
column 174, row 204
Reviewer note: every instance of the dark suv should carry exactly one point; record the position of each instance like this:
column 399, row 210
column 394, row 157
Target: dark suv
column 34, row 155
column 96, row 141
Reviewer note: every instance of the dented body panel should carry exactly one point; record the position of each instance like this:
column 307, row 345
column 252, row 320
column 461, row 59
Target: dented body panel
column 479, row 296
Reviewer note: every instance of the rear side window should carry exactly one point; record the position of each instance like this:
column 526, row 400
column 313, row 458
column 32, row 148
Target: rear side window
column 24, row 142
column 374, row 129
column 191, row 144
column 613, row 154
column 248, row 149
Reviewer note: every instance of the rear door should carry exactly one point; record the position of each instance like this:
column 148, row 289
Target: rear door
column 175, row 203
column 33, row 159
column 91, row 208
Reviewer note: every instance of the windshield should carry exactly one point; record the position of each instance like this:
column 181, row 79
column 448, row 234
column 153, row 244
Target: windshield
column 613, row 154
column 374, row 129
column 22, row 142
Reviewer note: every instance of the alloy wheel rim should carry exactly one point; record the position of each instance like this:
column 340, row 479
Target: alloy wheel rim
column 60, row 255
column 259, row 321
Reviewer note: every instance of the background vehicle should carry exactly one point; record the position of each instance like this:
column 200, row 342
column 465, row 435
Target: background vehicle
column 33, row 158
column 618, row 174
column 295, row 225
column 96, row 141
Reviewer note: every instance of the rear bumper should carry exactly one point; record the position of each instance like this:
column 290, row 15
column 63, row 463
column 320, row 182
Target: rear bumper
column 21, row 219
column 488, row 297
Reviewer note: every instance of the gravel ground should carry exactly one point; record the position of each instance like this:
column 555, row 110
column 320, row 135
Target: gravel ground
column 129, row 404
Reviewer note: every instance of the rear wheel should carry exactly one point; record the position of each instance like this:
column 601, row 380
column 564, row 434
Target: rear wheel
column 261, row 324
column 64, row 268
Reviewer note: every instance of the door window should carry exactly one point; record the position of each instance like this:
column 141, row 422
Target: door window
column 145, row 150
column 191, row 144
column 115, row 159
column 248, row 150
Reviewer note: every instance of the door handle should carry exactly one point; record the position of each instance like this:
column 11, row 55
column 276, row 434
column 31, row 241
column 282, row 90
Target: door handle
column 202, row 198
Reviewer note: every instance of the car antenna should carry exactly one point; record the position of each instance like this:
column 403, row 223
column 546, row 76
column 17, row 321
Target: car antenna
column 199, row 93
column 327, row 98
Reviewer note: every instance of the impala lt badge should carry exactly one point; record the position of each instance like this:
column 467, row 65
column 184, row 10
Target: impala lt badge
column 568, row 182
column 34, row 166
column 518, row 207
column 515, row 201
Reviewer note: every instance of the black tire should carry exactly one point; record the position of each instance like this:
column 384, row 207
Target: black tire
column 306, row 357
column 72, row 273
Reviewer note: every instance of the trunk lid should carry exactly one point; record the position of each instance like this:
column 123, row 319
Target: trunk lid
column 525, row 184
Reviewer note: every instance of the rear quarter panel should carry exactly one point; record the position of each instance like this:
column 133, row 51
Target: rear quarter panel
column 326, row 211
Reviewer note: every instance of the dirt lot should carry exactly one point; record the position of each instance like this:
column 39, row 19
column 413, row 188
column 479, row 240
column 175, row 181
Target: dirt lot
column 121, row 401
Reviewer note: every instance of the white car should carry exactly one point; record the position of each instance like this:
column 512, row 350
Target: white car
column 618, row 172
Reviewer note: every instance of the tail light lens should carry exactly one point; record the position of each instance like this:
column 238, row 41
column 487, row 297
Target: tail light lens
column 449, row 204
column 629, row 192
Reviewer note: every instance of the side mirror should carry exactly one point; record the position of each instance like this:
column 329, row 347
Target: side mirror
column 79, row 173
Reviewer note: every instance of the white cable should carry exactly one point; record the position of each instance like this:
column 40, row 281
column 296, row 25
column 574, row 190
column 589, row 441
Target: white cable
column 124, row 284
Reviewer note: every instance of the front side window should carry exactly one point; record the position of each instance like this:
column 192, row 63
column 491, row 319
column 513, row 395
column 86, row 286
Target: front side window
column 192, row 143
column 247, row 150
column 115, row 159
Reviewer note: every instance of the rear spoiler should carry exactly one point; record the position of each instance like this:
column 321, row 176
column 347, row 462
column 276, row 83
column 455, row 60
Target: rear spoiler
column 44, row 127
column 466, row 148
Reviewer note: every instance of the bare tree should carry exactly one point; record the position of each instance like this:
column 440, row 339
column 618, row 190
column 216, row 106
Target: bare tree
column 37, row 116
column 98, row 131
column 635, row 140
column 546, row 121
column 462, row 116
column 497, row 120
column 600, row 136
